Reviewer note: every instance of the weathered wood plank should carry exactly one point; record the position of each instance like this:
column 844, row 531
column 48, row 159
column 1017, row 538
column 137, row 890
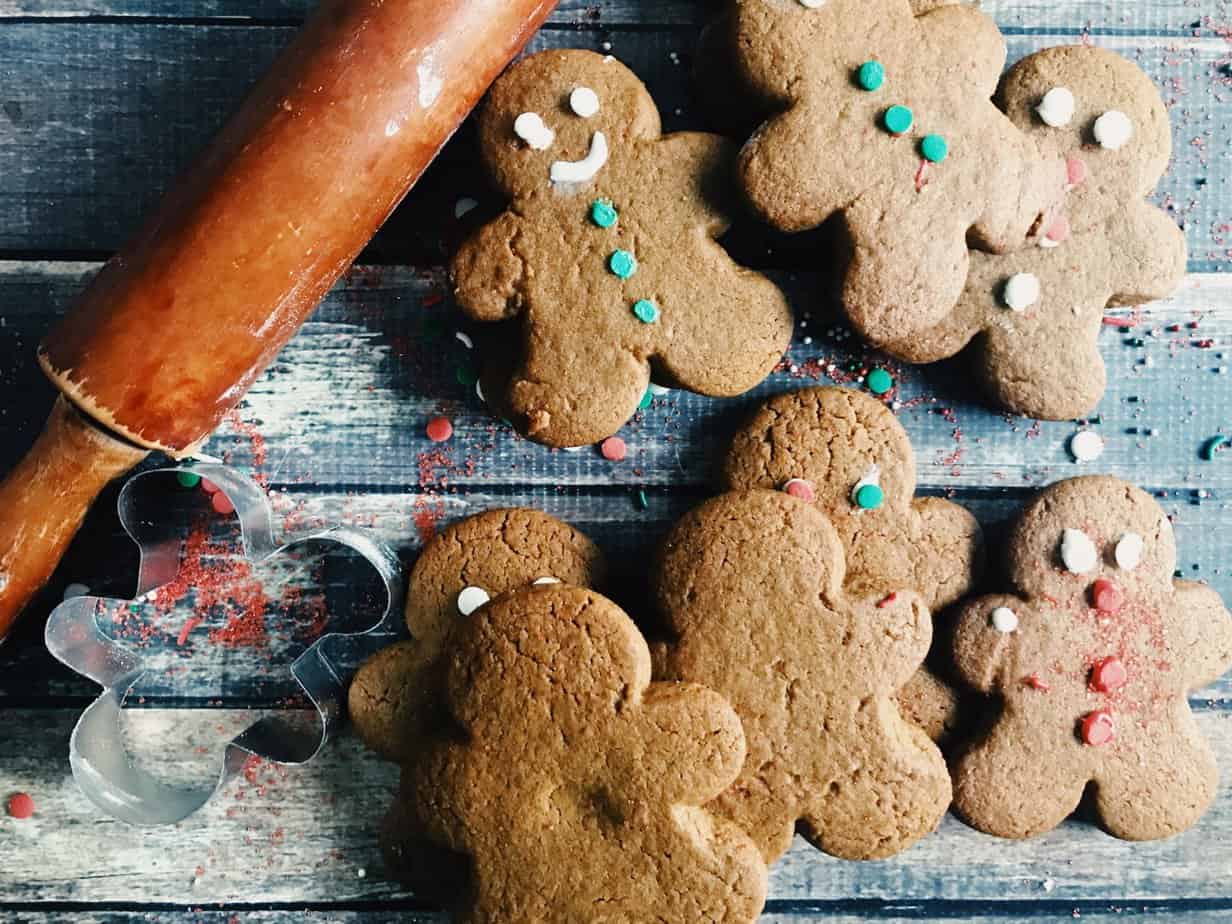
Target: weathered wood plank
column 347, row 401
column 304, row 835
column 97, row 118
column 30, row 677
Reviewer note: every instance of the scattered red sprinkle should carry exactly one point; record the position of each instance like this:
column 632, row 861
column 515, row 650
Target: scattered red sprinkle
column 1108, row 675
column 21, row 805
column 888, row 600
column 614, row 449
column 921, row 176
column 1098, row 728
column 1035, row 683
column 440, row 429
column 222, row 504
column 1076, row 171
column 798, row 487
column 189, row 624
column 1059, row 231
column 1107, row 596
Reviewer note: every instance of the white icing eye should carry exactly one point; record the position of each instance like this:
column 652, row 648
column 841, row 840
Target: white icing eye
column 1057, row 107
column 1004, row 619
column 1021, row 291
column 584, row 102
column 471, row 598
column 1129, row 551
column 531, row 128
column 1113, row 130
column 546, row 580
column 1078, row 552
column 586, row 169
column 1086, row 446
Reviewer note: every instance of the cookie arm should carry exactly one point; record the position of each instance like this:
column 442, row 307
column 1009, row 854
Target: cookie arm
column 697, row 171
column 948, row 27
column 1200, row 636
column 892, row 637
column 488, row 272
column 1149, row 256
column 949, row 556
column 980, row 651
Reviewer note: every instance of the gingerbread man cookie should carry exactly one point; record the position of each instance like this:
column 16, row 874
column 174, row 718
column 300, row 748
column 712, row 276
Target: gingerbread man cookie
column 888, row 119
column 572, row 784
column 752, row 586
column 394, row 695
column 845, row 452
column 1092, row 655
column 1035, row 315
column 607, row 253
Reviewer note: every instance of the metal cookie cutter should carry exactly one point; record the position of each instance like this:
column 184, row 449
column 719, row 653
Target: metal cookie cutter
column 101, row 759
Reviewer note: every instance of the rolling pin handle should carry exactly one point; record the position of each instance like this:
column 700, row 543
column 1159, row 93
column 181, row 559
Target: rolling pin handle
column 45, row 498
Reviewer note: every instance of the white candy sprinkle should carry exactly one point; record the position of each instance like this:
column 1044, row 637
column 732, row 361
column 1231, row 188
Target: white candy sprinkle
column 75, row 590
column 1057, row 107
column 584, row 102
column 531, row 128
column 1078, row 552
column 1129, row 551
column 465, row 339
column 471, row 598
column 584, row 170
column 545, row 580
column 1086, row 446
column 1004, row 619
column 464, row 207
column 1113, row 130
column 1021, row 291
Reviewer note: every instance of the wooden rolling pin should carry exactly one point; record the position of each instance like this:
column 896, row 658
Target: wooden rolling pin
column 173, row 331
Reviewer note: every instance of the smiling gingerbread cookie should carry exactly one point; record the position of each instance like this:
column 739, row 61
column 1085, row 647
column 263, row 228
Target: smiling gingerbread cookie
column 1035, row 315
column 887, row 118
column 607, row 253
column 1092, row 655
column 846, row 453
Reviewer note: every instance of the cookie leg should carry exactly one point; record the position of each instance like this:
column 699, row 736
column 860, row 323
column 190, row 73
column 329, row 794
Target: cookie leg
column 930, row 703
column 1159, row 789
column 1006, row 786
column 768, row 820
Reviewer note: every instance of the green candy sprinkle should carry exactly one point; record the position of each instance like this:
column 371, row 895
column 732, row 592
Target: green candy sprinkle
column 871, row 75
column 1213, row 445
column 898, row 119
column 934, row 148
column 641, row 500
column 187, row 479
column 622, row 263
column 603, row 213
column 646, row 311
column 869, row 497
column 467, row 376
column 646, row 400
column 879, row 381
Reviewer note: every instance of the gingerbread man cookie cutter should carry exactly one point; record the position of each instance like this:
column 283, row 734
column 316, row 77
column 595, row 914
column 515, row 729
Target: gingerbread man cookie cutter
column 101, row 761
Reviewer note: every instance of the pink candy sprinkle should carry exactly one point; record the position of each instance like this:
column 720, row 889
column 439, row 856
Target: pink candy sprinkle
column 1076, row 170
column 798, row 487
column 222, row 504
column 440, row 429
column 613, row 449
column 1059, row 231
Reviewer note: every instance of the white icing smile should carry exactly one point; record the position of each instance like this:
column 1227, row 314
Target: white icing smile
column 586, row 169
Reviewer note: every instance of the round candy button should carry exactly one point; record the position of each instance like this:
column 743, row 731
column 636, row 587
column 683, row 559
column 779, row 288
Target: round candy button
column 1107, row 596
column 898, row 119
column 871, row 75
column 1098, row 728
column 1108, row 675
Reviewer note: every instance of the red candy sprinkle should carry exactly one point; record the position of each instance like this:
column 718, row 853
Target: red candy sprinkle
column 1076, row 170
column 613, row 449
column 888, row 601
column 208, row 486
column 802, row 489
column 1108, row 675
column 1098, row 728
column 21, row 805
column 1106, row 596
column 222, row 504
column 1059, row 231
column 439, row 429
column 1033, row 681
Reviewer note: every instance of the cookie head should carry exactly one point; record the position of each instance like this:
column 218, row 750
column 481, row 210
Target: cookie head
column 553, row 122
column 1099, row 111
column 1096, row 537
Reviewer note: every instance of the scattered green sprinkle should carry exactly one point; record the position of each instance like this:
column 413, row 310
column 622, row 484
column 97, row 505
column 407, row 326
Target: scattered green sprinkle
column 1212, row 446
column 641, row 500
column 879, row 381
column 467, row 376
column 187, row 479
column 646, row 400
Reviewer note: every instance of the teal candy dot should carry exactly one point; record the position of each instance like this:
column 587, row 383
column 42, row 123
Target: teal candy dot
column 934, row 148
column 647, row 312
column 623, row 264
column 871, row 75
column 603, row 213
column 879, row 381
column 869, row 497
column 898, row 119
column 646, row 400
column 188, row 479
